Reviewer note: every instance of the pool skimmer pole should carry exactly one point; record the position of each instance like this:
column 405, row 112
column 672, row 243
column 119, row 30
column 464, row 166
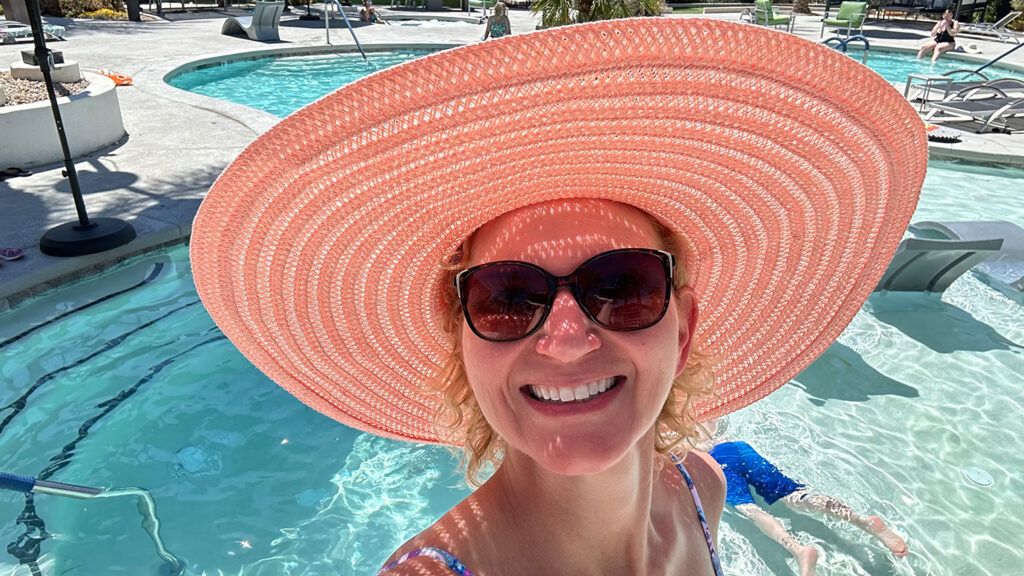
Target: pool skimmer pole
column 146, row 505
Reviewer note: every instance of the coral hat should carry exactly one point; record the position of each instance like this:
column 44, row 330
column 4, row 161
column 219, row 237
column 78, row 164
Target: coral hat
column 790, row 170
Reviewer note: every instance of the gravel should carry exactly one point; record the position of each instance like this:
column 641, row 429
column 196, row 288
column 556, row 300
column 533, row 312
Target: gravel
column 22, row 91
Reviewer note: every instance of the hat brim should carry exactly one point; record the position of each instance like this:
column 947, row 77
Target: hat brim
column 790, row 170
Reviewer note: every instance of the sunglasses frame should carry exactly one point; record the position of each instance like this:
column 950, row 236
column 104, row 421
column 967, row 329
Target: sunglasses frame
column 570, row 281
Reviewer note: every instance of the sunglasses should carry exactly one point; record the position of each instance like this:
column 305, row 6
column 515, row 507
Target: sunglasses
column 622, row 290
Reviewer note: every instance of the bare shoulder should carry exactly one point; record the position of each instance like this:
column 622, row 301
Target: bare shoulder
column 710, row 482
column 423, row 564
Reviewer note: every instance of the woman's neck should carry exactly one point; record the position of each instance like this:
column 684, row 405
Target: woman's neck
column 590, row 524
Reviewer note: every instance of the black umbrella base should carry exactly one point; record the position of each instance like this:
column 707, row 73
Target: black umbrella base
column 71, row 239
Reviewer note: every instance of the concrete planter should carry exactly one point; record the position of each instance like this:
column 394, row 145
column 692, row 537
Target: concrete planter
column 92, row 120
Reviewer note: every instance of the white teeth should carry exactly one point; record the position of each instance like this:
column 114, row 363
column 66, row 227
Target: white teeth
column 581, row 392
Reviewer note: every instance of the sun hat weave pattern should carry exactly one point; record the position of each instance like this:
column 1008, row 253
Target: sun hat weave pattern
column 790, row 170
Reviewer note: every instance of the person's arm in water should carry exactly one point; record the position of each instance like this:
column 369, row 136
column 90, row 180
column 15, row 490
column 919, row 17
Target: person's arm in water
column 487, row 28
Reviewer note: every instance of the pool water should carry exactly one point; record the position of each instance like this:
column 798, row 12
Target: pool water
column 895, row 66
column 281, row 86
column 123, row 380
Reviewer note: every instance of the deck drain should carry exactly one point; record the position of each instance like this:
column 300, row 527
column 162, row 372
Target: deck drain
column 978, row 476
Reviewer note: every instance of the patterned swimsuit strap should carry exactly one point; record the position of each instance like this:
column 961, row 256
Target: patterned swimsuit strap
column 444, row 556
column 715, row 562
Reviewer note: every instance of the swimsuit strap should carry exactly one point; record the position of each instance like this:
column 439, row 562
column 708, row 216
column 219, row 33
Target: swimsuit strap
column 459, row 569
column 444, row 556
column 715, row 563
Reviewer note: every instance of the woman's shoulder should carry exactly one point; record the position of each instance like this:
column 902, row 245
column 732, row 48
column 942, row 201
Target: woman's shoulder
column 429, row 553
column 706, row 473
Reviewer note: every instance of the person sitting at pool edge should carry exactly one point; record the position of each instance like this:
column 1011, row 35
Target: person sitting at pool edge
column 498, row 24
column 943, row 36
column 745, row 468
column 367, row 13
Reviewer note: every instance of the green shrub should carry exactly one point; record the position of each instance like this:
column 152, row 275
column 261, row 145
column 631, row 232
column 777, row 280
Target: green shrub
column 76, row 8
column 104, row 14
column 1017, row 6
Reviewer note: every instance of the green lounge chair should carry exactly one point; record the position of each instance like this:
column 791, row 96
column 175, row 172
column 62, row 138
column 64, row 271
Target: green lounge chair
column 765, row 16
column 851, row 17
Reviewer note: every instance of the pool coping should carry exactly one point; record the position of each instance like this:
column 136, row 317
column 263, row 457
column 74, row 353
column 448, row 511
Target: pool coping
column 151, row 79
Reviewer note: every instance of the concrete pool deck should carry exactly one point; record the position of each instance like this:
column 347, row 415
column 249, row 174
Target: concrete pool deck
column 177, row 142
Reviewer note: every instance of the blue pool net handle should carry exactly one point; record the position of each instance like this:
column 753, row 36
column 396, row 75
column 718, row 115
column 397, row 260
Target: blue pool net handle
column 17, row 482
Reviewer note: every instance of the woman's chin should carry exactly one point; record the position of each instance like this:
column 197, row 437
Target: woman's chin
column 571, row 456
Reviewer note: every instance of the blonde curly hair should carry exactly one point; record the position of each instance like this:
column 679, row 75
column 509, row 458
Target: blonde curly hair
column 460, row 422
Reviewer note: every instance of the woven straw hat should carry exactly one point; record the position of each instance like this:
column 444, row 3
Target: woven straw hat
column 790, row 170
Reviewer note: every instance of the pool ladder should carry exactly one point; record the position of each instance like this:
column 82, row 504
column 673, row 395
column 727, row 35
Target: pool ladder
column 842, row 45
column 327, row 24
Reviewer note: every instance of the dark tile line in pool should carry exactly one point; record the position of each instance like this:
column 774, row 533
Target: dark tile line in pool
column 157, row 269
column 26, row 547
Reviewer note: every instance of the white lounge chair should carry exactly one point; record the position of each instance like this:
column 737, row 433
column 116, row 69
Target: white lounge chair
column 263, row 25
column 997, row 28
column 1006, row 266
column 923, row 265
column 990, row 111
column 10, row 31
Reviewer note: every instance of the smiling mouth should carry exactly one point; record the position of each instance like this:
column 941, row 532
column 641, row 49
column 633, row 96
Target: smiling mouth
column 575, row 395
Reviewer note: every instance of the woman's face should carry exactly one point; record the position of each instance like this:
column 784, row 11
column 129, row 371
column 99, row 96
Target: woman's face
column 570, row 350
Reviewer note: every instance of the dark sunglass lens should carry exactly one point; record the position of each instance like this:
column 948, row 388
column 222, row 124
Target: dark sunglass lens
column 505, row 301
column 625, row 290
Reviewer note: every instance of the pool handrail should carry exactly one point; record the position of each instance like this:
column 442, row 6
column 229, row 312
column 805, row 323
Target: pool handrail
column 327, row 25
column 843, row 45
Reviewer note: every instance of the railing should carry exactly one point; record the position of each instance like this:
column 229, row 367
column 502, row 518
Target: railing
column 327, row 24
column 842, row 45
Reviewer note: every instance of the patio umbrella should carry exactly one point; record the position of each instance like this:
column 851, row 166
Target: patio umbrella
column 87, row 236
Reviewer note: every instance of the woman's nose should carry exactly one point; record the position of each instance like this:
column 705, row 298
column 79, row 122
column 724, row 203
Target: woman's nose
column 566, row 335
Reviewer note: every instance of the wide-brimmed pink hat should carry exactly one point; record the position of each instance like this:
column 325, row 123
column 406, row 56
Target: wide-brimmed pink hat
column 790, row 170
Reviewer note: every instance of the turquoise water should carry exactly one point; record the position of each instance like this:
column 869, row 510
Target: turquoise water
column 281, row 86
column 895, row 66
column 141, row 389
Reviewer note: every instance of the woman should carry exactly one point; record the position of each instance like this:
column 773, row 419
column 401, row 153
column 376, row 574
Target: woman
column 544, row 259
column 498, row 24
column 943, row 36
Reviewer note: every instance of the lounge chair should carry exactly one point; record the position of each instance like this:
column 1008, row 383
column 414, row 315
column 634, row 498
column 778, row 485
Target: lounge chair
column 851, row 17
column 997, row 28
column 1010, row 87
column 1006, row 266
column 992, row 109
column 924, row 265
column 10, row 31
column 764, row 15
column 263, row 25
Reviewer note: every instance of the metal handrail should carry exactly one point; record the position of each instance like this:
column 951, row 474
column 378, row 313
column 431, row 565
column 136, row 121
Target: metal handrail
column 843, row 45
column 327, row 24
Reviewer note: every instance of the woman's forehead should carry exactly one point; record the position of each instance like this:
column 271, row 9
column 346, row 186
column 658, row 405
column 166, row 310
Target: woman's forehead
column 563, row 232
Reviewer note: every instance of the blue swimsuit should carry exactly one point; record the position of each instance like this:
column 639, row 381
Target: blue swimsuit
column 744, row 468
column 459, row 569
